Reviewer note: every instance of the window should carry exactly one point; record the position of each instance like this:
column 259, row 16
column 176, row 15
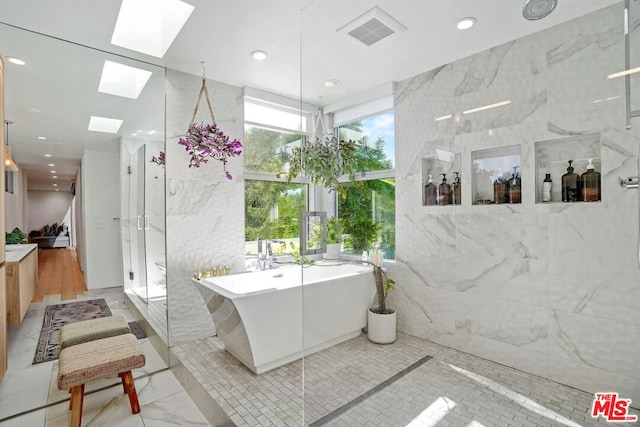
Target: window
column 272, row 211
column 268, row 150
column 272, row 206
column 367, row 209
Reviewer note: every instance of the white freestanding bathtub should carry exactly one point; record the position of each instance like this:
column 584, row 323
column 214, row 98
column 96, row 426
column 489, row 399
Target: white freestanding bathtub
column 269, row 318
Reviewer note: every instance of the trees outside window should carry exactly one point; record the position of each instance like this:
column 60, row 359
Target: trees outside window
column 367, row 207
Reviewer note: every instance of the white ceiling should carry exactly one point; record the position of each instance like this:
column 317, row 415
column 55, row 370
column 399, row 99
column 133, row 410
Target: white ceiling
column 300, row 36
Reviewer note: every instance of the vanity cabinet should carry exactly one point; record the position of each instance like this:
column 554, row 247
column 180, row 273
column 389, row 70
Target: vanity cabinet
column 22, row 279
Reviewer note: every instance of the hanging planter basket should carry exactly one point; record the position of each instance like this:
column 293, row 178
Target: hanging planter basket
column 208, row 141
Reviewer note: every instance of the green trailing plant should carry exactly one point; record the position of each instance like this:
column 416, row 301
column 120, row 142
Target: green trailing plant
column 324, row 161
column 297, row 257
column 15, row 237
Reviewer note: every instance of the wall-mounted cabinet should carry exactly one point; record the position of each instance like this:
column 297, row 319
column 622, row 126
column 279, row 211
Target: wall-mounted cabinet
column 445, row 164
column 552, row 157
column 496, row 176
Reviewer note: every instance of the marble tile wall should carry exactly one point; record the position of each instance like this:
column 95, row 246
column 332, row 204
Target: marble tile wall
column 205, row 210
column 547, row 288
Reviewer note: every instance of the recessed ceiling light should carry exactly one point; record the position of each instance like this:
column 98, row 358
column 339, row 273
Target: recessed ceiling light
column 104, row 124
column 259, row 55
column 54, row 176
column 51, row 164
column 15, row 61
column 55, row 185
column 42, row 137
column 332, row 83
column 122, row 80
column 57, row 189
column 34, row 110
column 47, row 155
column 150, row 26
column 466, row 23
column 53, row 171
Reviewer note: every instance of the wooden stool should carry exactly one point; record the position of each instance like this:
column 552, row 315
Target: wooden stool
column 99, row 359
column 93, row 329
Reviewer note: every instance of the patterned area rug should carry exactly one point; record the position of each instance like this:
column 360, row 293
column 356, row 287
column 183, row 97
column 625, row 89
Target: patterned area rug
column 58, row 315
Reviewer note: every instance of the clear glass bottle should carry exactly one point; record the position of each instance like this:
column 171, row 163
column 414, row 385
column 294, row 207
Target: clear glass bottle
column 570, row 185
column 546, row 188
column 515, row 187
column 590, row 184
column 444, row 191
column 430, row 193
column 456, row 190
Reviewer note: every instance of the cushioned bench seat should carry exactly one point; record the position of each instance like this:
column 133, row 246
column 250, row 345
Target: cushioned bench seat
column 93, row 329
column 97, row 359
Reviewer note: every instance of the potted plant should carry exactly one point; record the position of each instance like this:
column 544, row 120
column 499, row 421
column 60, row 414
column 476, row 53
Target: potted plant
column 324, row 161
column 382, row 320
column 334, row 238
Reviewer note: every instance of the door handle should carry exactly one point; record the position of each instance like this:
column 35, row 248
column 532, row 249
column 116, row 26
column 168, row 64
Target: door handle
column 139, row 226
column 146, row 222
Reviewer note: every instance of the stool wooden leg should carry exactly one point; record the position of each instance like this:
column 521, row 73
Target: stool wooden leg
column 124, row 384
column 77, row 396
column 130, row 387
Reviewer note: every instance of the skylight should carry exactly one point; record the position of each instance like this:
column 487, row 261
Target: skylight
column 122, row 80
column 104, row 124
column 150, row 26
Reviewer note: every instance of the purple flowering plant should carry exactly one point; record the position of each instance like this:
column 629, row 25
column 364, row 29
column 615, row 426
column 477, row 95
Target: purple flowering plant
column 206, row 141
column 158, row 160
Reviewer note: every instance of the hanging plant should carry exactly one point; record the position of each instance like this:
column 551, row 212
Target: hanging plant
column 158, row 160
column 205, row 141
column 324, row 161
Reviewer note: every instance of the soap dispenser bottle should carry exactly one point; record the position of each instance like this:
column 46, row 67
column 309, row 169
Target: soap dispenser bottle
column 590, row 184
column 456, row 190
column 430, row 193
column 444, row 191
column 546, row 188
column 515, row 187
column 570, row 184
column 499, row 189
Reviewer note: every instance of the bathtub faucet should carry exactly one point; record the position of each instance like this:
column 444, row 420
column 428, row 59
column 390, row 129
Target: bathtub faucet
column 267, row 259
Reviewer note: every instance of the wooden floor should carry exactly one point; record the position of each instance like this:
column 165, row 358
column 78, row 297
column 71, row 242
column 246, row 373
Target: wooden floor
column 59, row 273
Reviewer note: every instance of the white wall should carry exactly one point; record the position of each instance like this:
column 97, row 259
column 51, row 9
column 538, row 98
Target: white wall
column 48, row 207
column 551, row 289
column 101, row 213
column 14, row 203
column 205, row 211
column 78, row 226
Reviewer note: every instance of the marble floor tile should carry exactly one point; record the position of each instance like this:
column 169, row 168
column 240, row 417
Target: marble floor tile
column 26, row 386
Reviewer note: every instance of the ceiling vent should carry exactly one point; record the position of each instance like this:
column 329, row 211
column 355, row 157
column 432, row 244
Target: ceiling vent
column 372, row 26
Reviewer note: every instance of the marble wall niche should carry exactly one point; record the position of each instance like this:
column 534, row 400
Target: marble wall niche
column 205, row 210
column 551, row 289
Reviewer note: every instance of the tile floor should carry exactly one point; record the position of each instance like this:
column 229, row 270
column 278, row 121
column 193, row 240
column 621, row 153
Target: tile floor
column 412, row 383
column 25, row 386
column 358, row 383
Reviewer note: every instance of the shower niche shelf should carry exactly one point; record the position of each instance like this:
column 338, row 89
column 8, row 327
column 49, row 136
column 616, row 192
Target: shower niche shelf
column 552, row 157
column 488, row 166
column 444, row 162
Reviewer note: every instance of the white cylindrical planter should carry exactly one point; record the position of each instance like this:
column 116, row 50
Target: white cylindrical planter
column 381, row 328
column 333, row 251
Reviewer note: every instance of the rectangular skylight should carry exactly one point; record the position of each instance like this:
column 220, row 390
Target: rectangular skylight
column 122, row 80
column 104, row 124
column 150, row 26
